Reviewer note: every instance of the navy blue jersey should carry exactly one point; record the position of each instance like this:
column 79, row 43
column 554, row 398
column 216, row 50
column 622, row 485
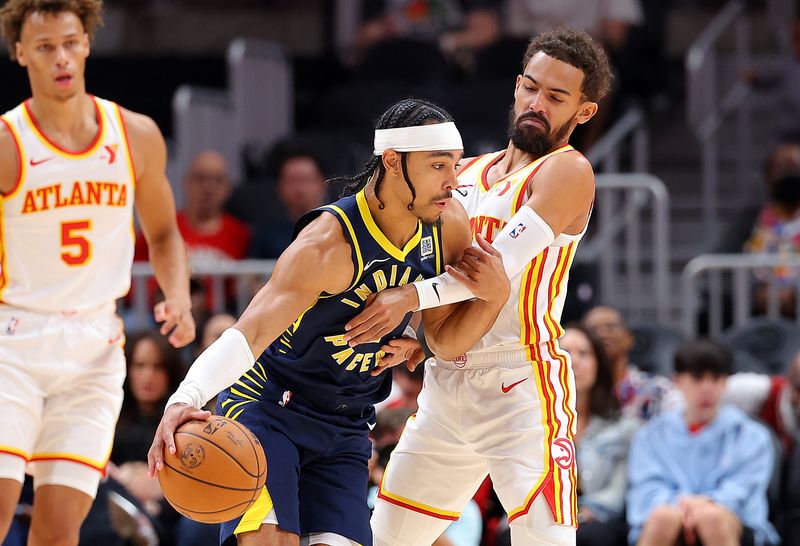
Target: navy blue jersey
column 311, row 359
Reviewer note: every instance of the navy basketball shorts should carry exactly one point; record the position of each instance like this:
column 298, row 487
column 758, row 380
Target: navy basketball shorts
column 317, row 473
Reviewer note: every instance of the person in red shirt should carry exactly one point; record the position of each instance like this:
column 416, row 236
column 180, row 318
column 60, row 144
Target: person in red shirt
column 210, row 233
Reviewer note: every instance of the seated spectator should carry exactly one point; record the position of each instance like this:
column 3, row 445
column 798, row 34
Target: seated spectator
column 701, row 475
column 777, row 230
column 155, row 370
column 601, row 443
column 210, row 233
column 773, row 399
column 300, row 188
column 642, row 395
column 459, row 27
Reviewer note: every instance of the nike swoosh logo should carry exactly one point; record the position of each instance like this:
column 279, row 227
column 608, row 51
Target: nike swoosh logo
column 373, row 262
column 45, row 160
column 511, row 386
column 436, row 289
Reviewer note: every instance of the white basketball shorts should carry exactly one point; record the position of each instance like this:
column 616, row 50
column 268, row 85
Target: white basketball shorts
column 503, row 415
column 61, row 376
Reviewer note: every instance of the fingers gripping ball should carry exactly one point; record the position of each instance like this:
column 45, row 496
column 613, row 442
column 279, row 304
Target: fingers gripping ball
column 217, row 471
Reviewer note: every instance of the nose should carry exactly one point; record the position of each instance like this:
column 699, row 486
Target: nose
column 61, row 56
column 537, row 102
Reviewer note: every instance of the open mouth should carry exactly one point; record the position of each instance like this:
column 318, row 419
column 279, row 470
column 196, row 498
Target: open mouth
column 64, row 79
column 441, row 204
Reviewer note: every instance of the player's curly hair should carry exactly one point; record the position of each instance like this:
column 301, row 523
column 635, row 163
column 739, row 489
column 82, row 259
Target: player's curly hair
column 406, row 113
column 14, row 13
column 578, row 49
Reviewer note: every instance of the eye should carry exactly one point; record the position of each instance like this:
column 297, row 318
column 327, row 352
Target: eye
column 438, row 166
column 45, row 48
column 556, row 99
column 71, row 43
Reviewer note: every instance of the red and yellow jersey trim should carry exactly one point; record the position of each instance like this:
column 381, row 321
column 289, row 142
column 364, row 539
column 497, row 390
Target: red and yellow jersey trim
column 418, row 507
column 85, row 461
column 27, row 114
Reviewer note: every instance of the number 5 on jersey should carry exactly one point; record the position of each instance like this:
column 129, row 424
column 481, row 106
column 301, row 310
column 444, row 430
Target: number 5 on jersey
column 79, row 247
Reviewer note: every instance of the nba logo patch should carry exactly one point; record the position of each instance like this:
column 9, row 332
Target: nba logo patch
column 426, row 246
column 517, row 231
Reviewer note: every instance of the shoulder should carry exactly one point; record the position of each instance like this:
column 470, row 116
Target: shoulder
column 236, row 226
column 321, row 246
column 143, row 132
column 570, row 167
column 9, row 158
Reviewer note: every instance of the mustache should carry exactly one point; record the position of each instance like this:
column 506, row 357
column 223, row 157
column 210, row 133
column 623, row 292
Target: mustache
column 534, row 116
column 442, row 197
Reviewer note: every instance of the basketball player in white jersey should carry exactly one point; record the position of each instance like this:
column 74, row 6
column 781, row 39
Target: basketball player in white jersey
column 71, row 167
column 503, row 404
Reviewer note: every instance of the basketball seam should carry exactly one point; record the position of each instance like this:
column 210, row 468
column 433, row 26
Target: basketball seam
column 207, row 439
column 246, row 432
column 195, row 478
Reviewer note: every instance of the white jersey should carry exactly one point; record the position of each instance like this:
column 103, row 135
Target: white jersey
column 66, row 227
column 531, row 317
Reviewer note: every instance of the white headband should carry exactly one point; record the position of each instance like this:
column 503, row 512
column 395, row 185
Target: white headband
column 421, row 138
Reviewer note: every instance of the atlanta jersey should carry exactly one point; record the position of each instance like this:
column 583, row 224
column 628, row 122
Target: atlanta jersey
column 311, row 361
column 66, row 227
column 531, row 317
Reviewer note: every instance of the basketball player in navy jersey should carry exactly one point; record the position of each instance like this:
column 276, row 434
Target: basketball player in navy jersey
column 309, row 396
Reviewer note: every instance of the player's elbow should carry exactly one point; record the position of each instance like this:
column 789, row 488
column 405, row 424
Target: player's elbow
column 441, row 348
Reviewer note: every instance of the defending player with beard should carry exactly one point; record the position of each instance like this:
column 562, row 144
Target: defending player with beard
column 503, row 403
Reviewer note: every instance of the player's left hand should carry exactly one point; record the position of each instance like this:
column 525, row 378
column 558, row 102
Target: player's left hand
column 382, row 314
column 178, row 321
column 399, row 350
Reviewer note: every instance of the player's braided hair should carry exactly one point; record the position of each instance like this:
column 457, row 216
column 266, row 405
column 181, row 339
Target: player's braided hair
column 406, row 113
column 14, row 12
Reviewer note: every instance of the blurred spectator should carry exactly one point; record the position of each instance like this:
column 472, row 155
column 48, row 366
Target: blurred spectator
column 773, row 399
column 601, row 444
column 701, row 474
column 213, row 328
column 460, row 27
column 642, row 395
column 300, row 188
column 389, row 423
column 777, row 230
column 155, row 369
column 785, row 81
column 608, row 21
column 210, row 233
column 408, row 386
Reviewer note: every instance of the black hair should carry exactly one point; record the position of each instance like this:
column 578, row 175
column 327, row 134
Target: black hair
column 700, row 357
column 405, row 113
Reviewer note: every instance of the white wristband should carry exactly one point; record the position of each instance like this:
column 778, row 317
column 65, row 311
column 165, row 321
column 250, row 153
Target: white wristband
column 524, row 237
column 217, row 368
column 410, row 332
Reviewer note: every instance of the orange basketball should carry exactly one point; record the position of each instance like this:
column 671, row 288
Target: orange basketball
column 217, row 471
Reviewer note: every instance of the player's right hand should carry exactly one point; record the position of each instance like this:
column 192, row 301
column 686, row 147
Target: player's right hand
column 175, row 416
column 481, row 270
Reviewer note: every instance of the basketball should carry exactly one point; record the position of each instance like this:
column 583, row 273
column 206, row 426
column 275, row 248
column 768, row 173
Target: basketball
column 217, row 471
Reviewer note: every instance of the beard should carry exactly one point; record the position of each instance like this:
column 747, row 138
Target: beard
column 533, row 140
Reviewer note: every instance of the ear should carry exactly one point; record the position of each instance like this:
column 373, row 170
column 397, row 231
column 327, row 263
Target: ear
column 391, row 162
column 586, row 111
column 19, row 53
column 516, row 84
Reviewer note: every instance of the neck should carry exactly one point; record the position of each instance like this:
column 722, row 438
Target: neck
column 515, row 158
column 63, row 116
column 204, row 221
column 697, row 418
column 620, row 369
column 396, row 222
column 147, row 408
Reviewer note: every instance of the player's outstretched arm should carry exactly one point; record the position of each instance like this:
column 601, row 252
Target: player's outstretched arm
column 294, row 286
column 155, row 206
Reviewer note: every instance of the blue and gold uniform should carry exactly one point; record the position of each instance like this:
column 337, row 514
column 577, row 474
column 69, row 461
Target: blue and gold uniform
column 309, row 397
